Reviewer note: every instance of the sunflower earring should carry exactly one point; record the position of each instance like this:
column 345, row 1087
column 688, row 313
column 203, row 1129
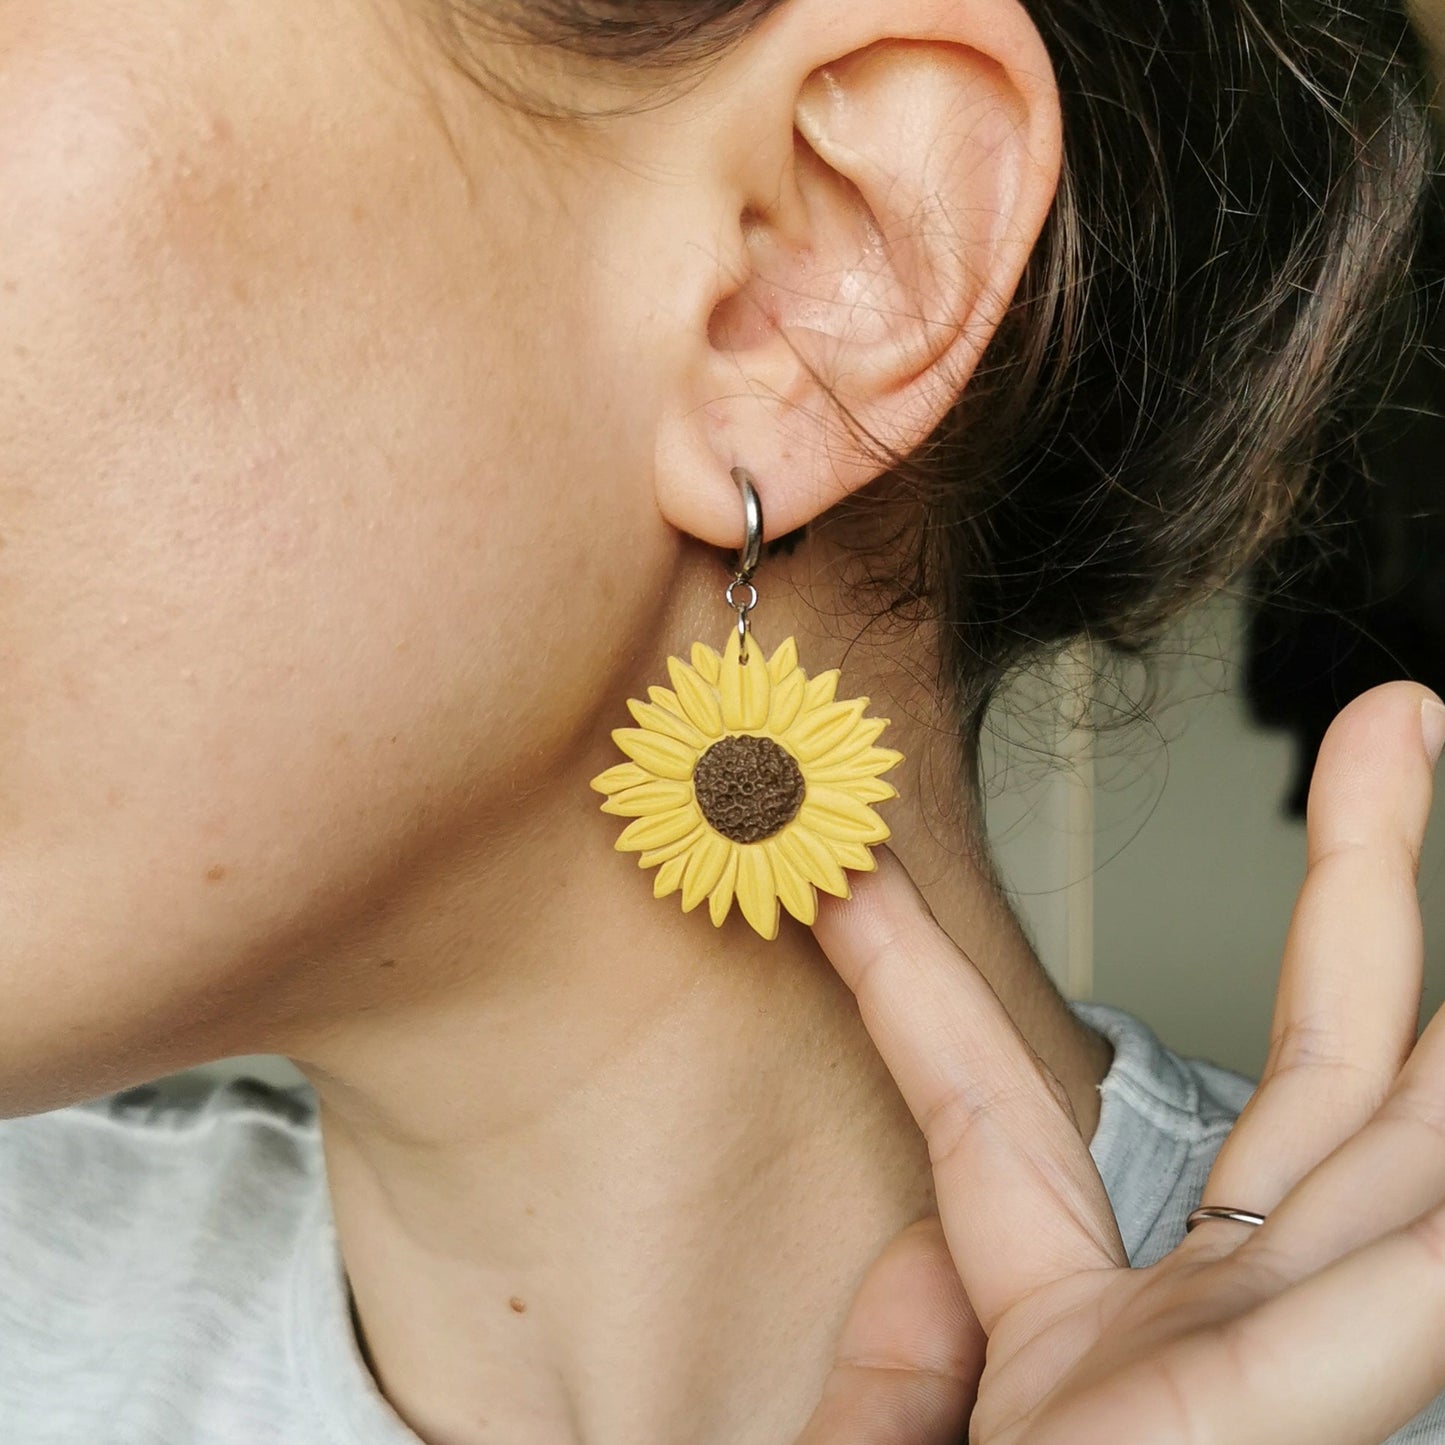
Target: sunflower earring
column 747, row 779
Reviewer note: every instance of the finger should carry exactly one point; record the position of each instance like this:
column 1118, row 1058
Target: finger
column 1345, row 1357
column 1349, row 991
column 1390, row 1173
column 910, row 1354
column 1020, row 1198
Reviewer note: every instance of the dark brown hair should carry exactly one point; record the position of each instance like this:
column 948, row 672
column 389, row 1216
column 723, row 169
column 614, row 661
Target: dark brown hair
column 1198, row 331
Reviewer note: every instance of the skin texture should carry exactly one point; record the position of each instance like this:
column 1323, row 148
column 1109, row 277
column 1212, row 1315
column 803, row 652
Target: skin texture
column 363, row 446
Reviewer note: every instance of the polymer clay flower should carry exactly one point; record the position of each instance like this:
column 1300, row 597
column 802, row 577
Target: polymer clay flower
column 750, row 782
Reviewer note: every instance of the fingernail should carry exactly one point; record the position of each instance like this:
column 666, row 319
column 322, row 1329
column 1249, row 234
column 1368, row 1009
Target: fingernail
column 1432, row 724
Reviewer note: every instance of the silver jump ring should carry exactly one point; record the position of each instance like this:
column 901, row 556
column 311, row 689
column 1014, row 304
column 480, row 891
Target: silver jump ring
column 1239, row 1216
column 752, row 549
column 742, row 606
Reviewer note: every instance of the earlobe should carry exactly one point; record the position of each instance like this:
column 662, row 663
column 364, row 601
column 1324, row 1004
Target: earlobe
column 879, row 254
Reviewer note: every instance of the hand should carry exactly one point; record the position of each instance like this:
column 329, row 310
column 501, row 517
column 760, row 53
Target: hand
column 1324, row 1326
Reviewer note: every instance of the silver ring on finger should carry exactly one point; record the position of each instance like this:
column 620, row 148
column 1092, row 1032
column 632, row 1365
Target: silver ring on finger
column 1239, row 1216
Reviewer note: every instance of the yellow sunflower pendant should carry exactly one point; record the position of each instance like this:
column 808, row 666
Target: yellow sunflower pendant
column 748, row 780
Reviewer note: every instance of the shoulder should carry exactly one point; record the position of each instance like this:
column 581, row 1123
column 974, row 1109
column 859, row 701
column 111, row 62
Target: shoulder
column 148, row 1248
column 117, row 1179
column 1162, row 1120
column 152, row 1167
column 1191, row 1097
column 158, row 1137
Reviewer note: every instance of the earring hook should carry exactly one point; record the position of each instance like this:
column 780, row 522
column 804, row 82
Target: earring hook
column 752, row 548
column 748, row 556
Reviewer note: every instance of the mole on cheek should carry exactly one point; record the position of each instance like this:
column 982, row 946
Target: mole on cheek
column 518, row 1305
column 215, row 873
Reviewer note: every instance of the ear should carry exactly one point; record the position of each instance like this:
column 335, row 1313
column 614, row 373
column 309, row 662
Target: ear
column 879, row 174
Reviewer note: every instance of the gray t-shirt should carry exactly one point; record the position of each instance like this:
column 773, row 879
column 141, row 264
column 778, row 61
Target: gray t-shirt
column 169, row 1273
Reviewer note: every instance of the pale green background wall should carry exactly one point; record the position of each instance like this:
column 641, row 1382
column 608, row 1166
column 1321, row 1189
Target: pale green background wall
column 1192, row 902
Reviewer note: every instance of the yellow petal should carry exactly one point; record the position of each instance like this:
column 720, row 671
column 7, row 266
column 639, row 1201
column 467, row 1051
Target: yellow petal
column 744, row 689
column 787, row 702
column 704, row 869
column 698, row 698
column 669, row 876
column 795, row 893
column 870, row 790
column 756, row 893
column 836, row 815
column 624, row 775
column 665, row 698
column 861, row 740
column 865, row 762
column 821, row 689
column 707, row 662
column 661, row 795
column 663, row 757
column 854, row 856
column 817, row 733
column 657, row 831
column 649, row 715
column 722, row 896
column 814, row 858
column 654, row 856
column 784, row 660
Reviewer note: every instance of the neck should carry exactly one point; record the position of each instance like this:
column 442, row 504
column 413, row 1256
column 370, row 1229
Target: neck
column 602, row 1173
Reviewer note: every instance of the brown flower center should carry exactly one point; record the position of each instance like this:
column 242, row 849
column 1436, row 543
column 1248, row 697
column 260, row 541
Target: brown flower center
column 748, row 788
